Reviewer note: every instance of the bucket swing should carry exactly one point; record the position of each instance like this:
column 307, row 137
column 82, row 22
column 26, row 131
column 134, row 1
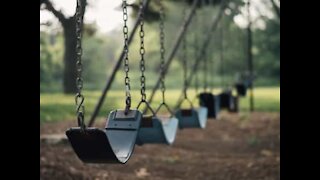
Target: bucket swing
column 115, row 143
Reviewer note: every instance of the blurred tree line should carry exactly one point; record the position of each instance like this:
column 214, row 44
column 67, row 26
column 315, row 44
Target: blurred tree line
column 100, row 51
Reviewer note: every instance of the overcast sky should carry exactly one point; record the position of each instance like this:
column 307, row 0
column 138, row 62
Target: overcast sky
column 105, row 13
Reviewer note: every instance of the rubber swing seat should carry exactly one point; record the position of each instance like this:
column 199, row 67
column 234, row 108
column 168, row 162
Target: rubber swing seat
column 211, row 102
column 241, row 89
column 162, row 131
column 226, row 100
column 192, row 118
column 114, row 144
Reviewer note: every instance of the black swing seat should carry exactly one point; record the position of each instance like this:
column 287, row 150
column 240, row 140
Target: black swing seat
column 162, row 131
column 226, row 100
column 114, row 144
column 192, row 118
column 210, row 101
column 241, row 89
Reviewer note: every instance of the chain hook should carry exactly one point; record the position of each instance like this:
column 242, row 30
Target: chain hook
column 81, row 123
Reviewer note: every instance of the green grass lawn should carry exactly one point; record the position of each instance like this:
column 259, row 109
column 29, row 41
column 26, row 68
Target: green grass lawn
column 57, row 106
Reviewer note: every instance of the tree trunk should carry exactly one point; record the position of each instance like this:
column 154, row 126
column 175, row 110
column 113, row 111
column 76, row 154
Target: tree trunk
column 69, row 28
column 69, row 73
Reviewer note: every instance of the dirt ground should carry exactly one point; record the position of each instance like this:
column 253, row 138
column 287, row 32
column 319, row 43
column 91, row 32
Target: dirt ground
column 235, row 147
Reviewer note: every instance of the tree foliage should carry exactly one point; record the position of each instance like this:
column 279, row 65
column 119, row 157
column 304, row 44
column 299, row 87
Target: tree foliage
column 100, row 51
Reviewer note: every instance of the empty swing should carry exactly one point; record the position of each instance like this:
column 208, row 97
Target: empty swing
column 243, row 84
column 116, row 142
column 226, row 98
column 190, row 117
column 206, row 98
column 241, row 88
column 158, row 129
column 243, row 81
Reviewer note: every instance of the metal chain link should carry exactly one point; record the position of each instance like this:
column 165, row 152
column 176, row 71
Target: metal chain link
column 142, row 52
column 221, row 54
column 184, row 59
column 162, row 51
column 203, row 30
column 196, row 50
column 79, row 98
column 205, row 59
column 211, row 64
column 126, row 59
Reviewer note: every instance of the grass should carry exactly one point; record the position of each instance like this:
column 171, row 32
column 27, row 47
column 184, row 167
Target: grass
column 57, row 106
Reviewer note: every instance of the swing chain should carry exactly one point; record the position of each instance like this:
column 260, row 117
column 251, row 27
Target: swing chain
column 142, row 52
column 221, row 53
column 204, row 51
column 205, row 55
column 79, row 98
column 205, row 59
column 211, row 64
column 162, row 51
column 184, row 60
column 126, row 60
column 196, row 50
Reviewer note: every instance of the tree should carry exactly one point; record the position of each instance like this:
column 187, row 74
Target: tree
column 69, row 29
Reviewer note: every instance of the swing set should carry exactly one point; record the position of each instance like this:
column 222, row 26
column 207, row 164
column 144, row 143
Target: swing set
column 128, row 127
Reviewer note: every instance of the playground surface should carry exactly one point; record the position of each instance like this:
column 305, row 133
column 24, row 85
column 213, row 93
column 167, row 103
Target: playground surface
column 239, row 146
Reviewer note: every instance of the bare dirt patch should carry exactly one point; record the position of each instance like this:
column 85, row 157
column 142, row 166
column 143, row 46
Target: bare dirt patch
column 236, row 147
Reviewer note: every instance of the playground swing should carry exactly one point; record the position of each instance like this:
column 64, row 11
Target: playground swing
column 155, row 129
column 245, row 79
column 241, row 88
column 243, row 84
column 227, row 101
column 164, row 128
column 116, row 142
column 190, row 117
column 207, row 99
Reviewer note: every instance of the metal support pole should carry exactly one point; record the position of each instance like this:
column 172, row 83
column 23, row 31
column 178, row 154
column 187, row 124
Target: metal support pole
column 250, row 63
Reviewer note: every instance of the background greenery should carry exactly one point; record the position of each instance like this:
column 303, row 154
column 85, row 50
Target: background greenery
column 58, row 106
column 102, row 50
